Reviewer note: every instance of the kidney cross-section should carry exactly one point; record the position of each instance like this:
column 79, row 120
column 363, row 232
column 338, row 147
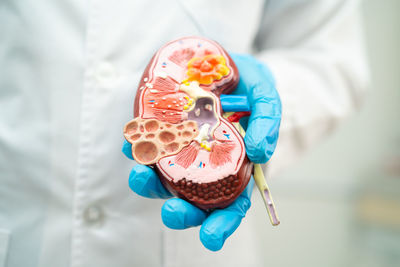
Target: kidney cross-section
column 178, row 127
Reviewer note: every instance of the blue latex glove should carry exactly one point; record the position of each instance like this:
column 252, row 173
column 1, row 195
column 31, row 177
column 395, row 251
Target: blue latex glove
column 262, row 126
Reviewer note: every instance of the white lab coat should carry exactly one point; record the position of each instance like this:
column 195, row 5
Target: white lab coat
column 68, row 75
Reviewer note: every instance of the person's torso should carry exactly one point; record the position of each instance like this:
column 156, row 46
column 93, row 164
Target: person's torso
column 69, row 76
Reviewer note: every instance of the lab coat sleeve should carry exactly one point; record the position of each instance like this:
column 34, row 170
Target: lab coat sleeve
column 315, row 51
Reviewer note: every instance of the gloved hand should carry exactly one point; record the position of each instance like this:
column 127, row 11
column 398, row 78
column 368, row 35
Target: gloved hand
column 257, row 82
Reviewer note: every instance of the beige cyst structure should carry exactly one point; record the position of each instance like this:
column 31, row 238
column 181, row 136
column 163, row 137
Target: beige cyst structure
column 152, row 139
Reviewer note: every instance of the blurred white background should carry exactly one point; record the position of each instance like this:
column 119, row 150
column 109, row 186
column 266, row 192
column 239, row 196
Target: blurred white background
column 340, row 205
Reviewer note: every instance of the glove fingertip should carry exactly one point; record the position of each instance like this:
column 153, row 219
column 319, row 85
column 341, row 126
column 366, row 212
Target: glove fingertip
column 144, row 181
column 170, row 217
column 210, row 240
column 179, row 214
column 127, row 149
column 138, row 178
column 257, row 153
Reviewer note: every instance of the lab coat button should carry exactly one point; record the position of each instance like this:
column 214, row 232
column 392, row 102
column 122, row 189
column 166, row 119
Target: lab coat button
column 106, row 74
column 93, row 214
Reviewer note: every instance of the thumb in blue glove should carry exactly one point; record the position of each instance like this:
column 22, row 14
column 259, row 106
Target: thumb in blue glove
column 262, row 127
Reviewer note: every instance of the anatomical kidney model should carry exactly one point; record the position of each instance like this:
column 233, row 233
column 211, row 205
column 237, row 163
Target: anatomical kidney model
column 178, row 126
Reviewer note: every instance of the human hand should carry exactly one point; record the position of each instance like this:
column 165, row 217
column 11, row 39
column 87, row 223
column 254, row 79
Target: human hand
column 262, row 127
column 256, row 82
